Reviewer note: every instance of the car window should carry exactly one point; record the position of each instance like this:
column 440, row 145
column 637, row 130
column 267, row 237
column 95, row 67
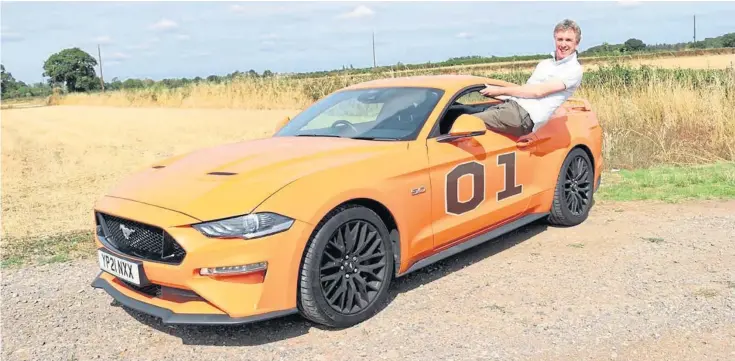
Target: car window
column 473, row 97
column 350, row 110
column 396, row 113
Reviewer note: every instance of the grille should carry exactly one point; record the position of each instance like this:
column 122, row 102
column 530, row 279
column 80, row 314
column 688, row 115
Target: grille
column 152, row 290
column 158, row 291
column 143, row 240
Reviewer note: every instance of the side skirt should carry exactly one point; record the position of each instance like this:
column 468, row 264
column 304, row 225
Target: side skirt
column 474, row 241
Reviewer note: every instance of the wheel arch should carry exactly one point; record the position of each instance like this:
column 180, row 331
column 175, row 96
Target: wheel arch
column 387, row 217
column 562, row 156
column 588, row 151
column 383, row 213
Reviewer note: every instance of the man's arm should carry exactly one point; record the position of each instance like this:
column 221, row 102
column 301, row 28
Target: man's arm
column 526, row 90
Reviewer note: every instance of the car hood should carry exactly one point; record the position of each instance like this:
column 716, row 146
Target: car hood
column 232, row 179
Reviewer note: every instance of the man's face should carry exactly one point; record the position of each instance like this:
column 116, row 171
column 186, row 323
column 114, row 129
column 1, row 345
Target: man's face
column 566, row 43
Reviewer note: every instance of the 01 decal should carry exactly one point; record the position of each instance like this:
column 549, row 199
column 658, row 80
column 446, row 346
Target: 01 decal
column 510, row 188
column 476, row 171
column 451, row 197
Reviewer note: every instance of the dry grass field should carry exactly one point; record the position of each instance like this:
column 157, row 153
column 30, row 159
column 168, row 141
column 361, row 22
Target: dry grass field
column 57, row 160
column 648, row 119
column 719, row 61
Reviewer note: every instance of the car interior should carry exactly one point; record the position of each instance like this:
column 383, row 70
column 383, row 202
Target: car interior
column 470, row 102
column 396, row 118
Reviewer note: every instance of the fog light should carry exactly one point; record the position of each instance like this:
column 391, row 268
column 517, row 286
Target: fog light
column 234, row 270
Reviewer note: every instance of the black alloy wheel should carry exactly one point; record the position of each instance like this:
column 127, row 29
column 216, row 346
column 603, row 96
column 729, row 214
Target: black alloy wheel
column 578, row 186
column 574, row 195
column 346, row 269
column 353, row 267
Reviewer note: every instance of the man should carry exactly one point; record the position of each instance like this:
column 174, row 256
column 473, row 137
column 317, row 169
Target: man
column 528, row 107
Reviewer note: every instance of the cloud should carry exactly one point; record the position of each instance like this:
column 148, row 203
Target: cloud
column 118, row 56
column 256, row 10
column 359, row 12
column 103, row 40
column 270, row 36
column 11, row 37
column 238, row 8
column 144, row 45
column 183, row 37
column 141, row 46
column 164, row 25
column 464, row 35
column 628, row 3
column 195, row 55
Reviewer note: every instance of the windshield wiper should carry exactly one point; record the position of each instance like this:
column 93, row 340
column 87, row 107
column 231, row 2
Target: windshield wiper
column 318, row 135
column 374, row 138
column 337, row 136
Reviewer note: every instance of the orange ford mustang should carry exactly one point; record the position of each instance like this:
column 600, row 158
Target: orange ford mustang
column 370, row 183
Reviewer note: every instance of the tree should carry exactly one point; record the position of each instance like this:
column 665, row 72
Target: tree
column 132, row 84
column 8, row 82
column 728, row 40
column 74, row 68
column 634, row 44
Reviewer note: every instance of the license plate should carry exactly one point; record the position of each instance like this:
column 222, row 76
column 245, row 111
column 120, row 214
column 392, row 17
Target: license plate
column 121, row 268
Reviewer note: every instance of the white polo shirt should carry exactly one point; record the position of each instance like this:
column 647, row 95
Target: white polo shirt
column 568, row 70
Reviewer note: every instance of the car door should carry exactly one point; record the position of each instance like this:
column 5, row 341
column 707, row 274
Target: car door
column 477, row 182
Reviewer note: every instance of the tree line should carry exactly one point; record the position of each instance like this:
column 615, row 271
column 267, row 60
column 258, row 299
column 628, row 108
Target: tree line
column 73, row 70
column 634, row 45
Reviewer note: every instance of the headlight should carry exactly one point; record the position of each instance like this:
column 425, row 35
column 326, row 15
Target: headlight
column 245, row 226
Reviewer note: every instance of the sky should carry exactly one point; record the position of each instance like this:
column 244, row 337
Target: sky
column 160, row 40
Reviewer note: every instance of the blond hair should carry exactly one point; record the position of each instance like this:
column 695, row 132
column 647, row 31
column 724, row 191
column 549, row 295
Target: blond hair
column 568, row 24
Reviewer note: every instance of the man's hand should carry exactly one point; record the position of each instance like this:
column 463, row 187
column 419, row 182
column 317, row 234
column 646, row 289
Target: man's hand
column 492, row 90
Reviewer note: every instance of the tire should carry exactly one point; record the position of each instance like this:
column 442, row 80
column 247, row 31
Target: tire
column 571, row 211
column 324, row 274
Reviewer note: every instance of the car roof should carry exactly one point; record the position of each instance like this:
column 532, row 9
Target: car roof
column 446, row 82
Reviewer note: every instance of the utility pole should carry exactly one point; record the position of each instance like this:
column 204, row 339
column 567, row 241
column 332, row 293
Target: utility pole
column 695, row 28
column 102, row 79
column 374, row 63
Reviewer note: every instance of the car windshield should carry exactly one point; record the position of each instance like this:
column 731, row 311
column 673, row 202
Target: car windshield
column 377, row 114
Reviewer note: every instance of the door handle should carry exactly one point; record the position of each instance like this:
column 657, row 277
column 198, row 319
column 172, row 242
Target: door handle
column 525, row 142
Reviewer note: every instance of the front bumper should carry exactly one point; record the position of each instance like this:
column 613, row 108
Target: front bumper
column 170, row 317
column 185, row 296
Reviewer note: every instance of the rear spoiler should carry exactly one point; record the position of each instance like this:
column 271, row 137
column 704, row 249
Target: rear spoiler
column 578, row 103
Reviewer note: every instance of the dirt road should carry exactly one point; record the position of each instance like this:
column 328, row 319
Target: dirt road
column 637, row 281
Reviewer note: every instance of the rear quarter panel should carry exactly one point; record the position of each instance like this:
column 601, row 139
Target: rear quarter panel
column 569, row 127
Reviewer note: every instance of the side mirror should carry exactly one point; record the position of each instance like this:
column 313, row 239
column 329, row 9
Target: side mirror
column 282, row 123
column 465, row 126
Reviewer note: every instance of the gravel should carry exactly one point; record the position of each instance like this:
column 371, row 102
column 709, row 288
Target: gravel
column 637, row 281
